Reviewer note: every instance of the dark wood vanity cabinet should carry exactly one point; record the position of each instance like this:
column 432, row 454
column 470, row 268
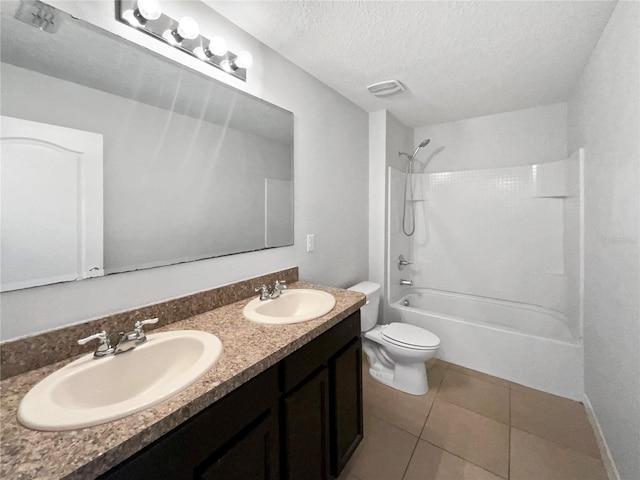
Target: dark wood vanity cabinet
column 305, row 430
column 235, row 438
column 299, row 420
column 346, row 400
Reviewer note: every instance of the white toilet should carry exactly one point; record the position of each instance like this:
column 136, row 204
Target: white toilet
column 397, row 352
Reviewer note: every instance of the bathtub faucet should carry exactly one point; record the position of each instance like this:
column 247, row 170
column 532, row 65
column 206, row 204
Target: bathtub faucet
column 408, row 283
column 402, row 262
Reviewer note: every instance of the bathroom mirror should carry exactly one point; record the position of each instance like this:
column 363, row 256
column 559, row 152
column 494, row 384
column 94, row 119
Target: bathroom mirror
column 191, row 168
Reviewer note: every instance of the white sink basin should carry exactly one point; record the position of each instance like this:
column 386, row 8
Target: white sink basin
column 92, row 391
column 292, row 306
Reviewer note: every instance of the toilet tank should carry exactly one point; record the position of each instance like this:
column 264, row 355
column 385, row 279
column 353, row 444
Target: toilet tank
column 369, row 311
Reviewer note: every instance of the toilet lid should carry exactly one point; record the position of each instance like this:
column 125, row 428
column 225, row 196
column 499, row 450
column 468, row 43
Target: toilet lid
column 411, row 336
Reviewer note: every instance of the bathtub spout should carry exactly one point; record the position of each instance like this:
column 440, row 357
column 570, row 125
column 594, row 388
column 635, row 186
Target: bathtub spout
column 408, row 283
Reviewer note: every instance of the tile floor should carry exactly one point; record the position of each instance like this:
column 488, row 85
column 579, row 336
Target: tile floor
column 472, row 426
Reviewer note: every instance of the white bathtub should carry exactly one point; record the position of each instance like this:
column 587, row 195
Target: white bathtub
column 524, row 344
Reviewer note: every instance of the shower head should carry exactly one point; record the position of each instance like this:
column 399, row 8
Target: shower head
column 422, row 145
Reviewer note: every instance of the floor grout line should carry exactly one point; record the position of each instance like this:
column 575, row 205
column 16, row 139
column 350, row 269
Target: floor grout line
column 556, row 444
column 462, row 458
column 404, row 474
column 393, row 424
column 460, row 406
column 477, row 413
column 440, row 395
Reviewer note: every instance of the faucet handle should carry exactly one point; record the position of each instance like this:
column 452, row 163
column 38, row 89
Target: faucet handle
column 105, row 345
column 403, row 262
column 280, row 285
column 141, row 323
column 102, row 336
column 138, row 328
column 264, row 292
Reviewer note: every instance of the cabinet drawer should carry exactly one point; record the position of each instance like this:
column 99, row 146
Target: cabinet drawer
column 303, row 362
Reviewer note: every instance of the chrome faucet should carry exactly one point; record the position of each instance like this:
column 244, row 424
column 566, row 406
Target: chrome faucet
column 267, row 294
column 128, row 340
column 403, row 262
column 278, row 288
column 264, row 292
column 104, row 348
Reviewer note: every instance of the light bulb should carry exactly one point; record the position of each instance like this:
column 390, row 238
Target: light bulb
column 244, row 60
column 200, row 53
column 226, row 65
column 150, row 9
column 169, row 37
column 218, row 46
column 130, row 17
column 188, row 28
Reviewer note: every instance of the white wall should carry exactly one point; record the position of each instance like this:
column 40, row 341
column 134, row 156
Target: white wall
column 387, row 137
column 399, row 139
column 522, row 137
column 330, row 191
column 377, row 160
column 604, row 116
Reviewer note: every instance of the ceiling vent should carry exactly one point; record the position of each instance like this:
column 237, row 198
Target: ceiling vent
column 386, row 88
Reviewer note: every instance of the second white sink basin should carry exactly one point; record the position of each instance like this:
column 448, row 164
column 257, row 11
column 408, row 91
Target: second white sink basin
column 92, row 391
column 292, row 306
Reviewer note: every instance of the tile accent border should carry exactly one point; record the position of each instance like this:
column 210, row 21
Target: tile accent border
column 25, row 354
column 605, row 453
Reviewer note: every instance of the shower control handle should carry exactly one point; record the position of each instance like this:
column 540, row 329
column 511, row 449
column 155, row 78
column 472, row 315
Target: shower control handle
column 407, row 283
column 402, row 262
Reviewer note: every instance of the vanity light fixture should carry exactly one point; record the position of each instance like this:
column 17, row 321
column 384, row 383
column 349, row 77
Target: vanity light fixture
column 187, row 29
column 147, row 16
column 145, row 10
column 217, row 46
column 243, row 60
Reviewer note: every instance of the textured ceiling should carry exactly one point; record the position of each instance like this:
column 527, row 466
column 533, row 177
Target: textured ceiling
column 457, row 59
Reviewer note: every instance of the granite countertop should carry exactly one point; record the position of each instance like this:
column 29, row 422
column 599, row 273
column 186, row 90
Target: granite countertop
column 249, row 349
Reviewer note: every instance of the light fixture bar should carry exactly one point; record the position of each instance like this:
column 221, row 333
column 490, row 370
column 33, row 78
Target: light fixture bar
column 183, row 34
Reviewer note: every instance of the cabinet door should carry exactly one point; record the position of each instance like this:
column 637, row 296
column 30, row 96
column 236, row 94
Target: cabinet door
column 306, row 430
column 346, row 405
column 249, row 457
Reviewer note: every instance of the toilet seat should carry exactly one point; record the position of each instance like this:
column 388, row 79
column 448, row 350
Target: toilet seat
column 410, row 336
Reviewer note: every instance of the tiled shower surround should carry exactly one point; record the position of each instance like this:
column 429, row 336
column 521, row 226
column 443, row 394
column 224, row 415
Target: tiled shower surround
column 503, row 233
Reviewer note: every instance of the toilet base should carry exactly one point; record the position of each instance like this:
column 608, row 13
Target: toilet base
column 397, row 367
column 408, row 378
